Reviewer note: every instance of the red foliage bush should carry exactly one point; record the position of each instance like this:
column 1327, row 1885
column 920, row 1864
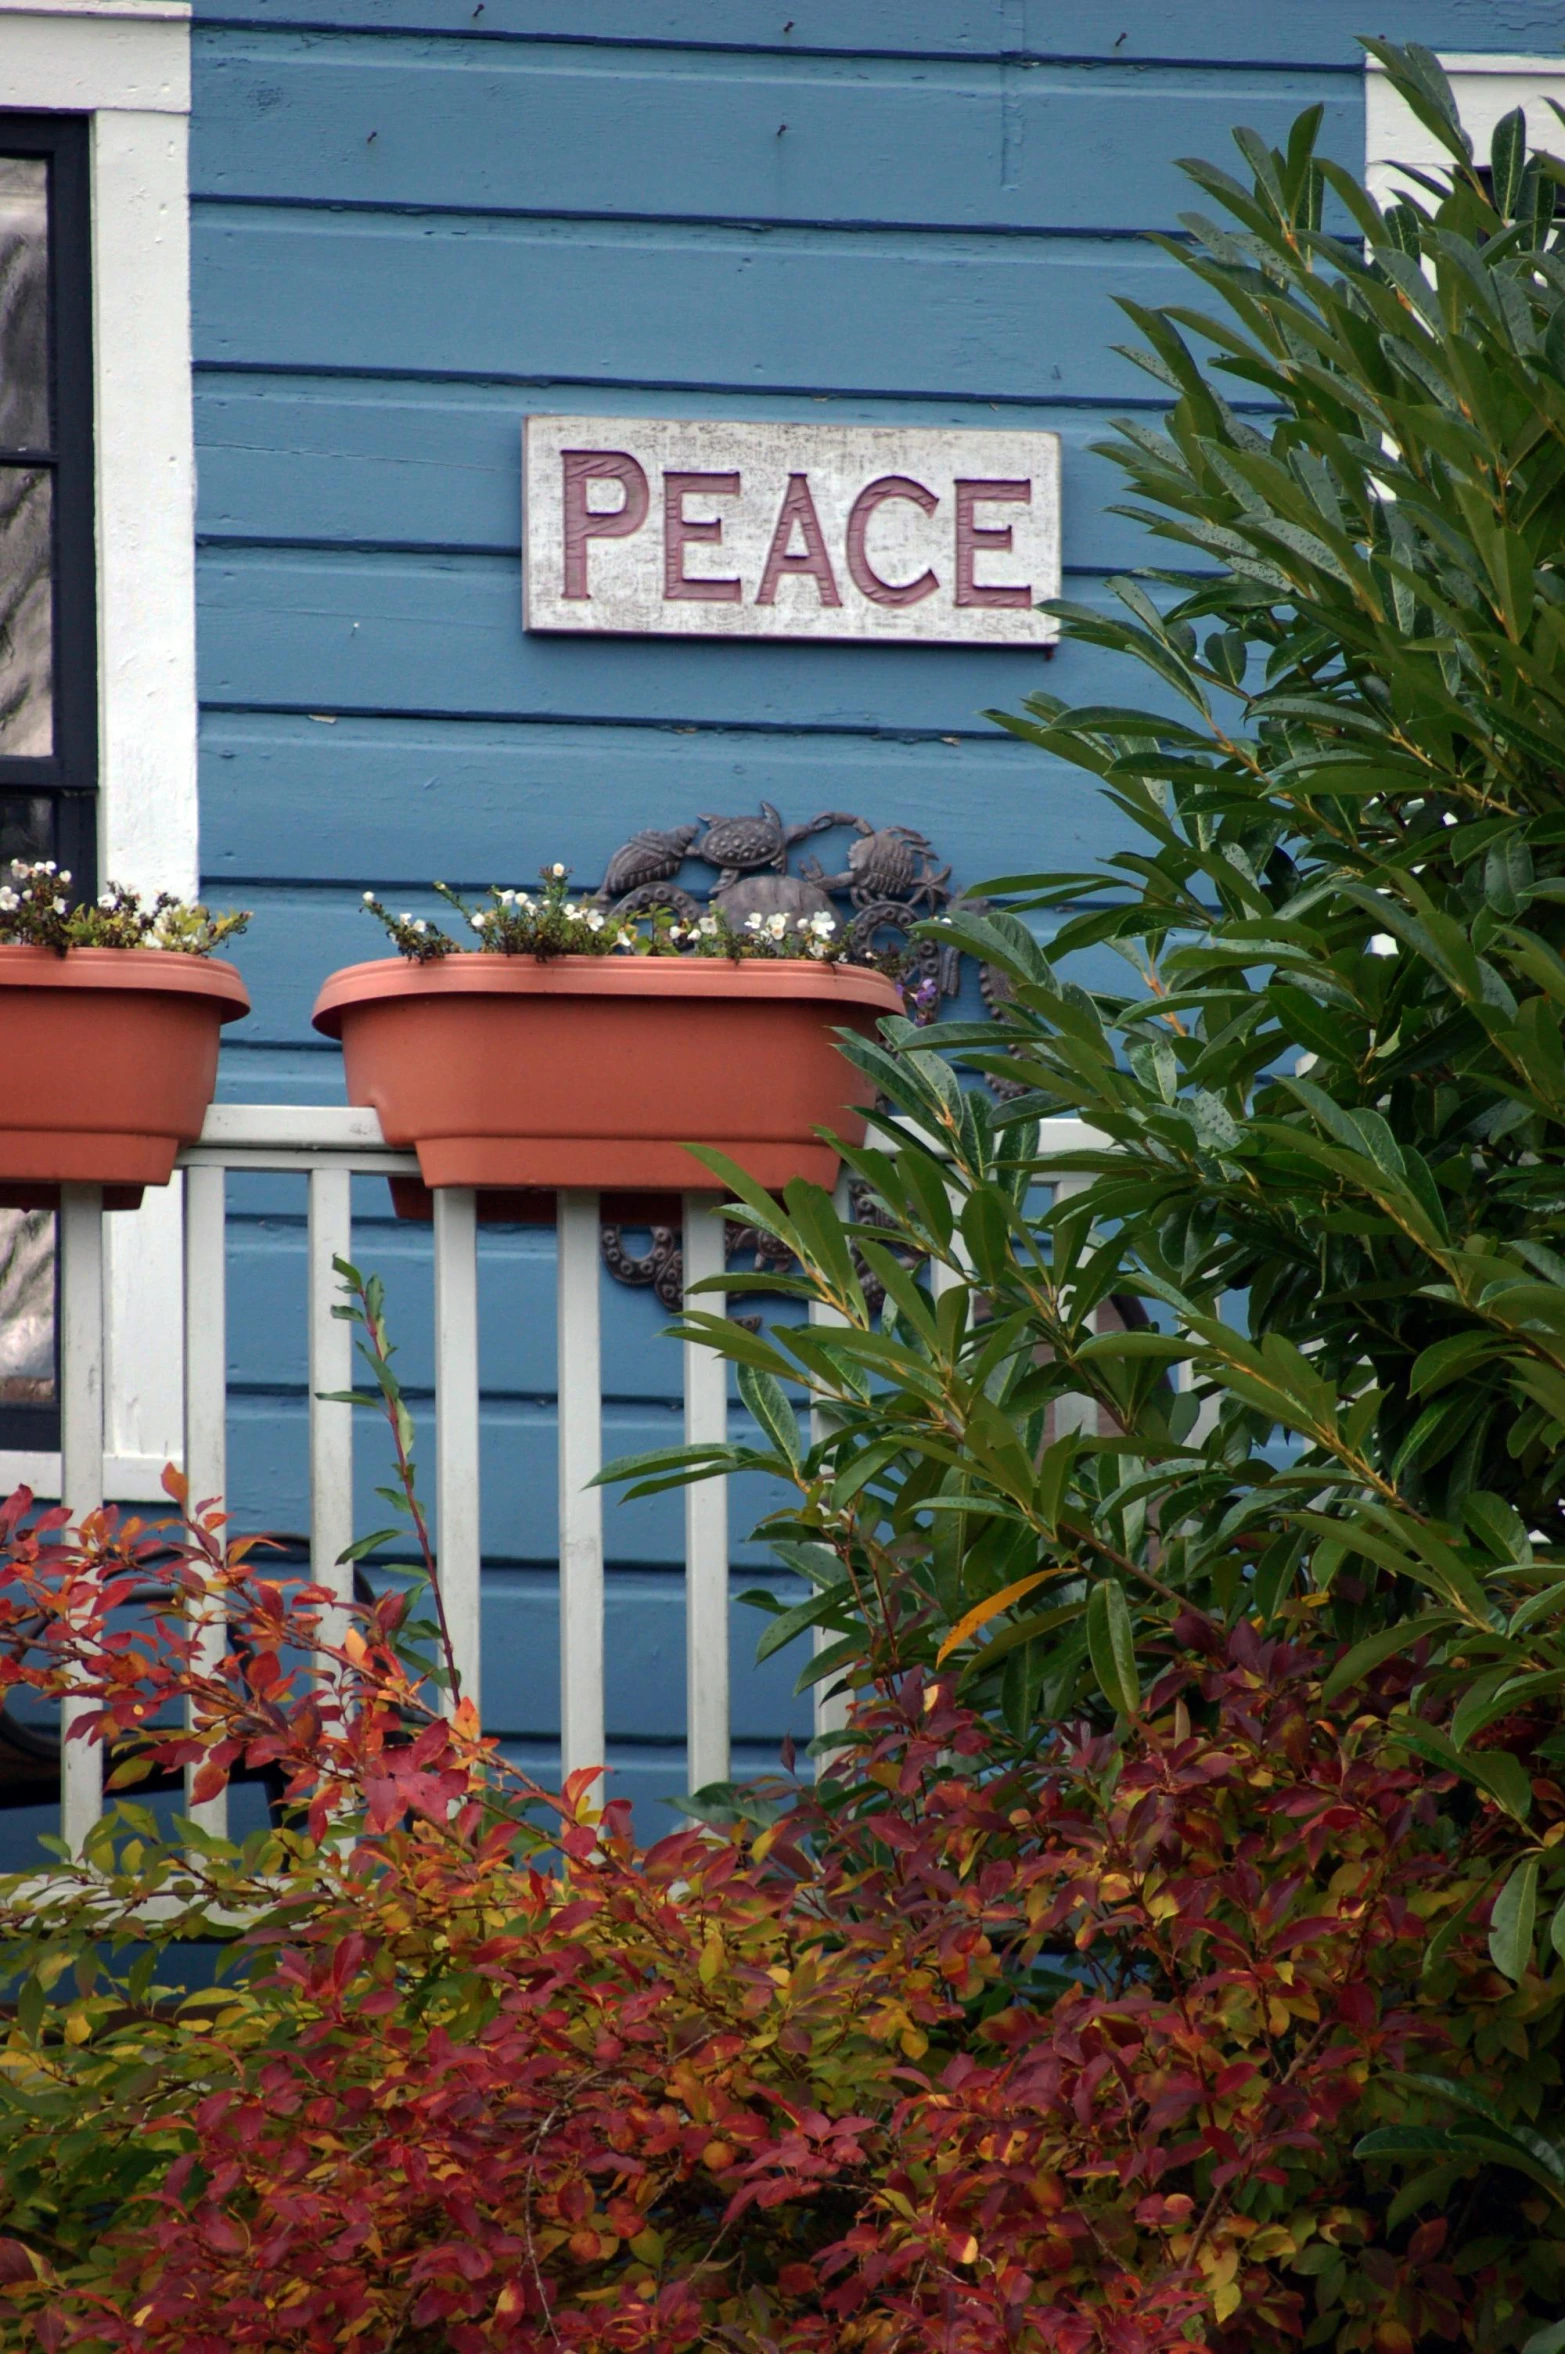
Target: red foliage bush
column 974, row 2051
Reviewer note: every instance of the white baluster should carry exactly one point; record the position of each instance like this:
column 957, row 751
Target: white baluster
column 80, row 1232
column 1074, row 1411
column 831, row 1708
column 944, row 1277
column 706, row 1515
column 580, row 1381
column 457, row 1530
column 206, row 1409
column 331, row 1369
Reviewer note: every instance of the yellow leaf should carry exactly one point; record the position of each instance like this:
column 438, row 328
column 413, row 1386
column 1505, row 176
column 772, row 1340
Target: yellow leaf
column 1226, row 2299
column 713, row 1956
column 77, row 2027
column 982, row 1612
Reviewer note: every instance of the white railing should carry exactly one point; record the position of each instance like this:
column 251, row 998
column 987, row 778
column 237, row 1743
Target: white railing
column 328, row 1147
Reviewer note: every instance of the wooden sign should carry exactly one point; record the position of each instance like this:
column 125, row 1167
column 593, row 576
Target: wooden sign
column 918, row 535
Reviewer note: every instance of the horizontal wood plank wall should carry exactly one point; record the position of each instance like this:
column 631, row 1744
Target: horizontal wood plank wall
column 415, row 220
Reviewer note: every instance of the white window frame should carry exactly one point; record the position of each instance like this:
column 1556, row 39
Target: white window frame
column 126, row 65
column 1485, row 87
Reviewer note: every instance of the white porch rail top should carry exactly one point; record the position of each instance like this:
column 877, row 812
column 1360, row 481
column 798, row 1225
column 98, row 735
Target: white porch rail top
column 328, row 1146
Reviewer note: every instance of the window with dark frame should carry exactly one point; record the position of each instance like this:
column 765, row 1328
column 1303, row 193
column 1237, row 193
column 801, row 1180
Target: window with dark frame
column 48, row 632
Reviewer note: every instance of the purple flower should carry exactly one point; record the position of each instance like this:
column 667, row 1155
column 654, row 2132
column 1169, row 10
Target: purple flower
column 922, row 998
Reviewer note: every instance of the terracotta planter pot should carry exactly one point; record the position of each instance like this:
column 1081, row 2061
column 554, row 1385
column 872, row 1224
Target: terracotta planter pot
column 110, row 1058
column 598, row 1071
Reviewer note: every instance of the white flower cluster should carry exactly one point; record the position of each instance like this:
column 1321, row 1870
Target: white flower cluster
column 35, row 885
column 818, row 930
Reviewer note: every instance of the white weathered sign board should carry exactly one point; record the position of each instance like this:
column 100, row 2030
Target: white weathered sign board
column 669, row 527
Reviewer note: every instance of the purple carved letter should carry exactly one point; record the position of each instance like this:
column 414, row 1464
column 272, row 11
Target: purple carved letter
column 678, row 530
column 971, row 537
column 584, row 523
column 798, row 507
column 865, row 578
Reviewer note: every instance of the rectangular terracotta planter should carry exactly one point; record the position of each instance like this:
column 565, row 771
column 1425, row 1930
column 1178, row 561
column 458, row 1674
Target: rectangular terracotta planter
column 598, row 1072
column 110, row 1059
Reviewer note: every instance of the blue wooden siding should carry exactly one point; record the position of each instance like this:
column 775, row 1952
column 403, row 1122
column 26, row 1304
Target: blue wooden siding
column 414, row 221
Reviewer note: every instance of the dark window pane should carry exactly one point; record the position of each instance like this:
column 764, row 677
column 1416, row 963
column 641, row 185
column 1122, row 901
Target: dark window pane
column 24, row 303
column 27, row 827
column 26, row 1308
column 26, row 613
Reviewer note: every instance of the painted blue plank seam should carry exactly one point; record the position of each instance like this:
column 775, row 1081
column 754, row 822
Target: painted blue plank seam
column 761, row 224
column 212, row 27
column 747, row 727
column 749, row 389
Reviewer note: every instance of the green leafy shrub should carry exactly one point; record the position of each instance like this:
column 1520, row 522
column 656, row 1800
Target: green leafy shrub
column 1286, row 1345
column 1329, row 1098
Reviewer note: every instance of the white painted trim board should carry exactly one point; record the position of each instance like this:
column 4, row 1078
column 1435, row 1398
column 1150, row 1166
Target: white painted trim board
column 126, row 64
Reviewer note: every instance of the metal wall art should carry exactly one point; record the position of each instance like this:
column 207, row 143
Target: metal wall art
column 889, row 882
column 661, row 1268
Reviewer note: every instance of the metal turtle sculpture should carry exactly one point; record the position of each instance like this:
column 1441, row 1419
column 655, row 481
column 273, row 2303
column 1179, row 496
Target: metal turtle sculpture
column 738, row 845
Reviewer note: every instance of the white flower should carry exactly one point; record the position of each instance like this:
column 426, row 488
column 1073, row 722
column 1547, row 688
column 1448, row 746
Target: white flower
column 478, row 922
column 106, row 899
column 60, row 906
column 369, row 900
column 406, row 917
column 421, row 926
column 752, row 923
column 47, row 867
column 65, row 874
column 8, row 899
column 594, row 921
column 777, row 925
column 707, row 927
column 1382, row 944
column 559, row 872
column 822, row 924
